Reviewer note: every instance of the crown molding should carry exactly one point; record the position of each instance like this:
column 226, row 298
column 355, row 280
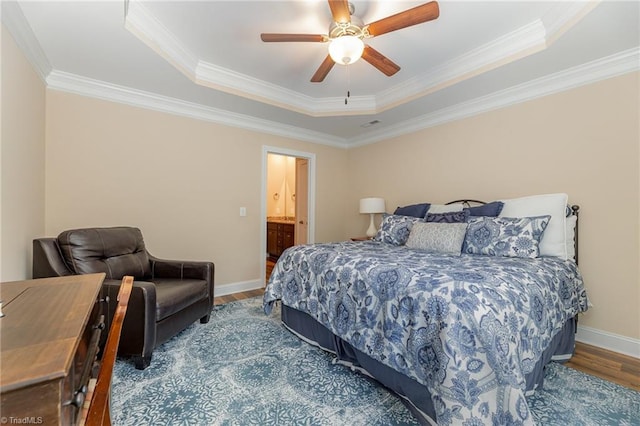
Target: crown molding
column 71, row 83
column 564, row 16
column 608, row 67
column 15, row 21
column 220, row 78
column 522, row 42
column 223, row 79
column 611, row 66
column 141, row 23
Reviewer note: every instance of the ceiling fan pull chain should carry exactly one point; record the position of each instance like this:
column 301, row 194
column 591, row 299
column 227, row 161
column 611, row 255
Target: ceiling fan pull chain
column 348, row 81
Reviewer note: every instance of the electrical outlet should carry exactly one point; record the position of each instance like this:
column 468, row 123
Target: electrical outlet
column 243, row 211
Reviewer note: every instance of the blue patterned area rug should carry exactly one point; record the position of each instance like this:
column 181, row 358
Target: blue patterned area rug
column 244, row 368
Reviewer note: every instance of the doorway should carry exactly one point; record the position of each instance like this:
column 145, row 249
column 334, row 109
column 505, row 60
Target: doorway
column 288, row 203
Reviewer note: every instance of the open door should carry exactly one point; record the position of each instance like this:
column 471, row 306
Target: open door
column 302, row 201
column 299, row 210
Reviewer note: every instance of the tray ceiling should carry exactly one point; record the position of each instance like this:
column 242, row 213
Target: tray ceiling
column 205, row 59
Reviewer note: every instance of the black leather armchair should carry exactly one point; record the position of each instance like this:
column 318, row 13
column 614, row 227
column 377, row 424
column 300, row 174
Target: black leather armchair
column 167, row 295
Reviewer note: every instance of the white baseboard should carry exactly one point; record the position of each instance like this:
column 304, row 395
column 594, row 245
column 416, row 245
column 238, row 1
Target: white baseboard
column 226, row 289
column 610, row 341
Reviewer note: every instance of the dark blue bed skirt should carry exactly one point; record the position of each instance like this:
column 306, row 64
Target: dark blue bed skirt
column 415, row 396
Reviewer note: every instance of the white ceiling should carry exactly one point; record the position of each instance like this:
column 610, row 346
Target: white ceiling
column 205, row 59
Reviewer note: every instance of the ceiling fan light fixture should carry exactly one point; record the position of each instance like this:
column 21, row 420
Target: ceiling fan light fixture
column 346, row 49
column 347, row 32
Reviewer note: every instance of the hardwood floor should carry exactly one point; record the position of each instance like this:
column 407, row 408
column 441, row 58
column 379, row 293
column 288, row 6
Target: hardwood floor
column 245, row 294
column 611, row 366
column 270, row 265
column 221, row 300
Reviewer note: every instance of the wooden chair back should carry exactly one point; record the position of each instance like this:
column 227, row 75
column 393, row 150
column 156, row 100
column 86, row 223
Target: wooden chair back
column 99, row 413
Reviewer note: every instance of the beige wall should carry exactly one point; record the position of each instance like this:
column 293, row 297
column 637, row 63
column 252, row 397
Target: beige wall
column 22, row 161
column 584, row 142
column 182, row 181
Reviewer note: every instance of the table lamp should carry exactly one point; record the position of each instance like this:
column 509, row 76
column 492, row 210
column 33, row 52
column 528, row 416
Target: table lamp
column 371, row 206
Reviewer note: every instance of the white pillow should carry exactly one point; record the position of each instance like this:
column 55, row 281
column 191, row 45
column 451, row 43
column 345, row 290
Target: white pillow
column 554, row 239
column 445, row 208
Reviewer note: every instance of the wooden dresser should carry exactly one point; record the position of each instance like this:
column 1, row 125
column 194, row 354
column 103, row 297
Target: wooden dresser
column 49, row 339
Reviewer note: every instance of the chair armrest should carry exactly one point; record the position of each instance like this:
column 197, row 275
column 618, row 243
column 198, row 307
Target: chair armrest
column 47, row 259
column 139, row 327
column 163, row 268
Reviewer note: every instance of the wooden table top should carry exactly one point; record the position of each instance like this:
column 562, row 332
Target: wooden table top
column 44, row 319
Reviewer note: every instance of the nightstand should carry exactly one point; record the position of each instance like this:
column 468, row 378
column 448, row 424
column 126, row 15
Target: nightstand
column 361, row 238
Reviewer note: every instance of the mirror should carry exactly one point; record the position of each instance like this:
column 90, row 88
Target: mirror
column 281, row 184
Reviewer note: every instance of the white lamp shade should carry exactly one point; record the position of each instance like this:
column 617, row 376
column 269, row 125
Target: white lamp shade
column 346, row 49
column 372, row 205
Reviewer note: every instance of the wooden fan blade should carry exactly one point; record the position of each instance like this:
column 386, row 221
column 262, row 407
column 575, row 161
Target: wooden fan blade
column 340, row 10
column 416, row 15
column 323, row 70
column 379, row 61
column 315, row 38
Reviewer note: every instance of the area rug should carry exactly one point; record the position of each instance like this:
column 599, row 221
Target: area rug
column 245, row 368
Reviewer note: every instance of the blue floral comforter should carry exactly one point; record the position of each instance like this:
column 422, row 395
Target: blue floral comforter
column 469, row 328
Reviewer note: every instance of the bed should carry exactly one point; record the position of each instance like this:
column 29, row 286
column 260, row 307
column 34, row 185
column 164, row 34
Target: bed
column 461, row 332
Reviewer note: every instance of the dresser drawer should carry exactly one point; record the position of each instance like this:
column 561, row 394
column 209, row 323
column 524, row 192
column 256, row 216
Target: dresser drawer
column 77, row 382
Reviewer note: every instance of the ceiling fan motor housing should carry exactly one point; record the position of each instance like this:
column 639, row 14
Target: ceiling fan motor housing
column 353, row 28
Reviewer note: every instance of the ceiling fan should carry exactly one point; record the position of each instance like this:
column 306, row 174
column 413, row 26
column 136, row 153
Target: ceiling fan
column 347, row 32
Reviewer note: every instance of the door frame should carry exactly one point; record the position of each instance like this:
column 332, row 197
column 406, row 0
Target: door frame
column 311, row 194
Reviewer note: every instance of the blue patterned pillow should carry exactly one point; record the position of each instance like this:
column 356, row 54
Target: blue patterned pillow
column 395, row 229
column 490, row 209
column 415, row 210
column 449, row 217
column 505, row 236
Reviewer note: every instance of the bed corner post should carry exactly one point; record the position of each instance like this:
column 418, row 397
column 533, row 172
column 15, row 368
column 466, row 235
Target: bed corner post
column 575, row 209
